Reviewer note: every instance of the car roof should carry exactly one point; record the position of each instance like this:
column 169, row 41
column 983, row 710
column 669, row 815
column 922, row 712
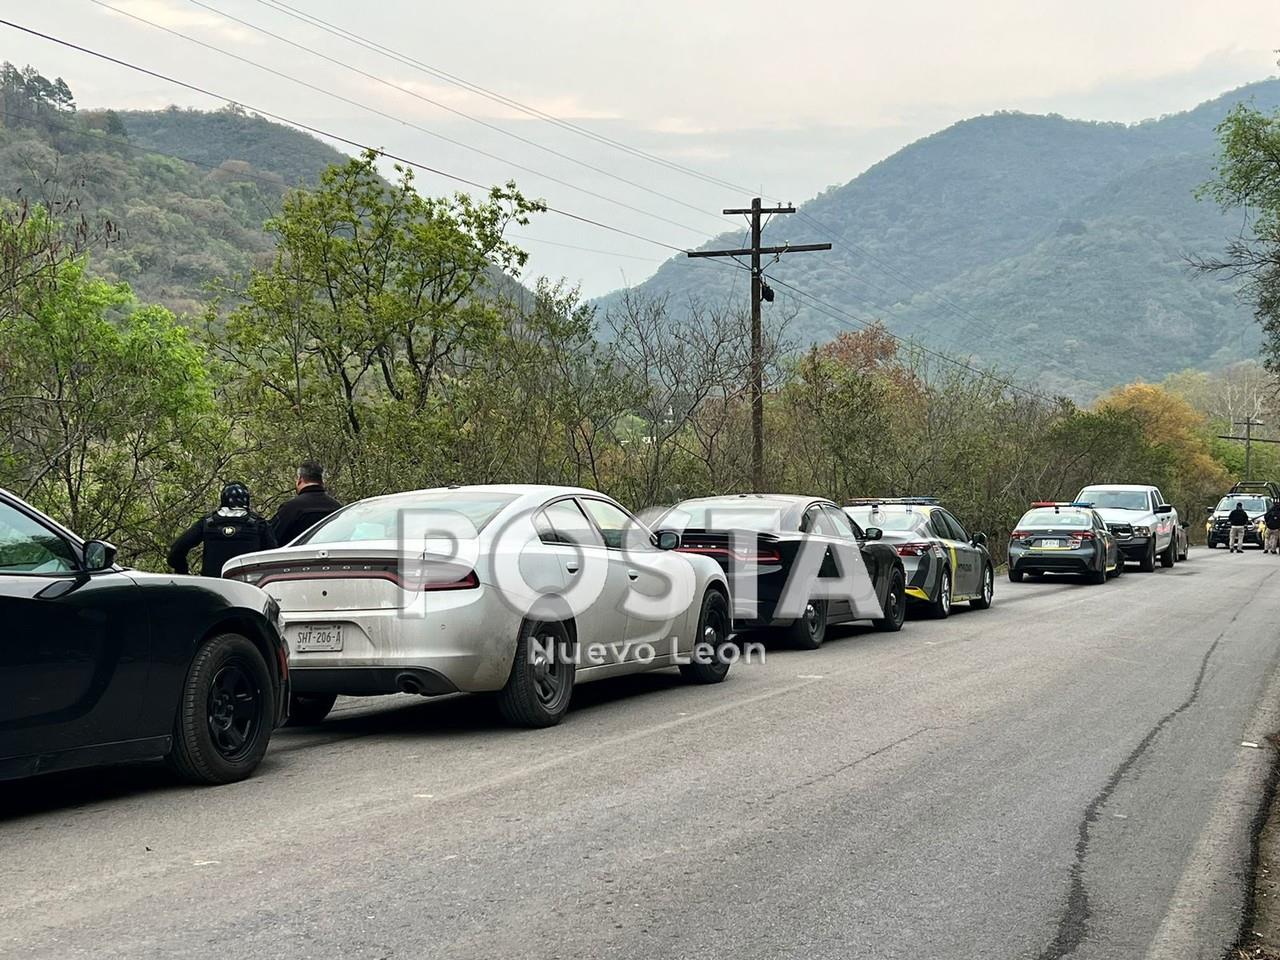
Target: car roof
column 1144, row 487
column 788, row 505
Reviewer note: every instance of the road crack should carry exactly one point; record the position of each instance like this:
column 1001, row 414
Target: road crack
column 1073, row 925
column 844, row 767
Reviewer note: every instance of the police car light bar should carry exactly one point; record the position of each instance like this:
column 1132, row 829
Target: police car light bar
column 1061, row 503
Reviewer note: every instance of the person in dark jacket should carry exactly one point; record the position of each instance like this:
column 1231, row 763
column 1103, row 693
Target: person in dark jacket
column 310, row 504
column 1272, row 520
column 230, row 531
column 1239, row 519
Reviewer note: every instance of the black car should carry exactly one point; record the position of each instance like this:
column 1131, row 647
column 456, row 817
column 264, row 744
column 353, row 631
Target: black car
column 100, row 664
column 761, row 536
column 1064, row 538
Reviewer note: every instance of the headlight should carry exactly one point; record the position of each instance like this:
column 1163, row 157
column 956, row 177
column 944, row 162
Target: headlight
column 1208, row 525
column 1142, row 531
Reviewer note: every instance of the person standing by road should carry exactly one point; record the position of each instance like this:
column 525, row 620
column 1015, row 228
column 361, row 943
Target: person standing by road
column 310, row 504
column 230, row 531
column 1272, row 520
column 1239, row 519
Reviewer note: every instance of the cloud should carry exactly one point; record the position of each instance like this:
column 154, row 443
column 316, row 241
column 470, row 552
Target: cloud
column 165, row 13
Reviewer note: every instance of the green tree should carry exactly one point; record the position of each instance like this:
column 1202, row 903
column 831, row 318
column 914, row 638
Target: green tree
column 108, row 412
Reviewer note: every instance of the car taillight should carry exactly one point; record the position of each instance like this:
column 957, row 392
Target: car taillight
column 468, row 581
column 762, row 556
column 1019, row 534
column 916, row 548
column 1082, row 535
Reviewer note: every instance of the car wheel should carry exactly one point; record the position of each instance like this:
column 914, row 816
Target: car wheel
column 895, row 611
column 225, row 714
column 1096, row 576
column 1148, row 561
column 1185, row 555
column 308, row 709
column 940, row 606
column 988, row 590
column 538, row 691
column 1119, row 570
column 714, row 628
column 1015, row 576
column 1168, row 554
column 809, row 631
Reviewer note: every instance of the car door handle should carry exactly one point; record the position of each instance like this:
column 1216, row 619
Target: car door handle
column 633, row 574
column 571, row 567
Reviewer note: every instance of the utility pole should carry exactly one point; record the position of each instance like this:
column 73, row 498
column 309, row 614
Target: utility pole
column 759, row 291
column 1249, row 440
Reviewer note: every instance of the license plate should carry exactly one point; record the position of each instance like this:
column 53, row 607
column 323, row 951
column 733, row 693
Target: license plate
column 1049, row 544
column 318, row 637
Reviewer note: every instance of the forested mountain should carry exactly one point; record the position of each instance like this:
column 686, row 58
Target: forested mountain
column 175, row 226
column 1056, row 247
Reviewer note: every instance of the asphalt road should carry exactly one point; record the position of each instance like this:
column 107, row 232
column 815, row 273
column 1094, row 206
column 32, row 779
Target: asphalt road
column 1062, row 775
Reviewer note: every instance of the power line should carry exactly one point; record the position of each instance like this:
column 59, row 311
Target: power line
column 311, row 19
column 281, row 7
column 392, row 117
column 321, row 132
column 444, row 106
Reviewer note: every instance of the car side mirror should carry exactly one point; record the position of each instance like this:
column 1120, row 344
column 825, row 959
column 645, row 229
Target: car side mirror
column 1208, row 511
column 1164, row 509
column 99, row 555
column 667, row 540
column 979, row 540
column 873, row 533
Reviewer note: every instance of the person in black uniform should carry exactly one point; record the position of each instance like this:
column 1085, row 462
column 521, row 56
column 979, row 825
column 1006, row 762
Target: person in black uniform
column 230, row 531
column 1239, row 519
column 309, row 506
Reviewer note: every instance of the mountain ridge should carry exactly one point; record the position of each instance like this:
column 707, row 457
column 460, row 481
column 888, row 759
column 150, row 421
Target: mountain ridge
column 1030, row 224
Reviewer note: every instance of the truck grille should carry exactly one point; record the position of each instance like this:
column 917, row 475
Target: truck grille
column 1121, row 531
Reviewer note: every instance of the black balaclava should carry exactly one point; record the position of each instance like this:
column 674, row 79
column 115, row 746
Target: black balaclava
column 235, row 495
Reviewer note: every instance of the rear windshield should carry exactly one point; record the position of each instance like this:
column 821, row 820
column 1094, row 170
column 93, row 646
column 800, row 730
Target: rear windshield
column 886, row 518
column 723, row 518
column 1251, row 504
column 423, row 512
column 1043, row 518
column 1116, row 499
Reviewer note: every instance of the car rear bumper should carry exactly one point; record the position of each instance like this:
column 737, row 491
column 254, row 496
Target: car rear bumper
column 463, row 642
column 372, row 681
column 1052, row 561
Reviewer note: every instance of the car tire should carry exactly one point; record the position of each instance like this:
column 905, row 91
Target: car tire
column 714, row 627
column 1119, row 570
column 308, row 709
column 896, row 600
column 225, row 714
column 983, row 600
column 808, row 632
column 1185, row 555
column 1168, row 556
column 1015, row 576
column 538, row 691
column 1148, row 561
column 1096, row 576
column 940, row 606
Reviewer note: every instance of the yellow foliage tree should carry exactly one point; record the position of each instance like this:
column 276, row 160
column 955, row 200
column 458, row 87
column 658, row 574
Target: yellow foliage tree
column 1171, row 424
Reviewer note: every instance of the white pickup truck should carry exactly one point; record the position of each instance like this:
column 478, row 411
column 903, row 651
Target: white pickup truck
column 1144, row 525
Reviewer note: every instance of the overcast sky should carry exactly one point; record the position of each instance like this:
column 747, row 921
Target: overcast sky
column 781, row 98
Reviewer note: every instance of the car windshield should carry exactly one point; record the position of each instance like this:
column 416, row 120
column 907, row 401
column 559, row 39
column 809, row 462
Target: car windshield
column 893, row 519
column 1251, row 504
column 1044, row 518
column 420, row 513
column 1116, row 499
